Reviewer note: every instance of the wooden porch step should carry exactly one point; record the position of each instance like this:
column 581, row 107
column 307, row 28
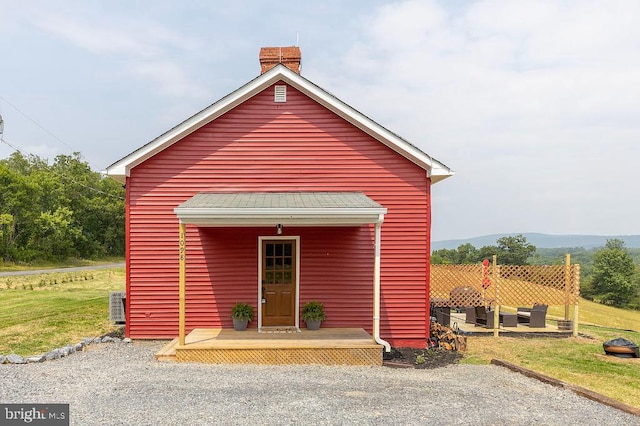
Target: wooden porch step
column 168, row 352
column 325, row 347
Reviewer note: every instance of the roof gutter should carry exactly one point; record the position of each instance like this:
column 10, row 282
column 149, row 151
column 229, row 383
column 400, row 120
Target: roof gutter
column 376, row 287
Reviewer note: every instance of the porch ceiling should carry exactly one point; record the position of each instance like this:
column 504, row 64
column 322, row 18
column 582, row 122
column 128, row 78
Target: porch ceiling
column 285, row 208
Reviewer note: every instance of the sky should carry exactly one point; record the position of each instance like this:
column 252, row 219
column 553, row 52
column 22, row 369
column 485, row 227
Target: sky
column 534, row 104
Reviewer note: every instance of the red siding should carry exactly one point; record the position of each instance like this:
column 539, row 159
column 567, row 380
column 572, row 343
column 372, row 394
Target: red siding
column 267, row 146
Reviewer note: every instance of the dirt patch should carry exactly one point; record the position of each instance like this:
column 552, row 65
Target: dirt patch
column 118, row 332
column 421, row 358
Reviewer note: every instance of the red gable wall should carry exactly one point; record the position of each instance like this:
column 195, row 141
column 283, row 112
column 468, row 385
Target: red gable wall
column 279, row 147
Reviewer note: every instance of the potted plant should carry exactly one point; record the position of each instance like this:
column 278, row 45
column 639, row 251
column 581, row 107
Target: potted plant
column 241, row 313
column 313, row 314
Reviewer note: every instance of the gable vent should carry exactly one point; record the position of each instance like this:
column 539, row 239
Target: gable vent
column 280, row 94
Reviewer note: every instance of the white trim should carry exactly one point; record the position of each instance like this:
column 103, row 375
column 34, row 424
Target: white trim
column 296, row 238
column 122, row 168
column 264, row 217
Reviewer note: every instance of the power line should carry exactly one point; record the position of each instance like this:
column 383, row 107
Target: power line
column 91, row 188
column 82, row 157
column 46, row 131
column 11, row 145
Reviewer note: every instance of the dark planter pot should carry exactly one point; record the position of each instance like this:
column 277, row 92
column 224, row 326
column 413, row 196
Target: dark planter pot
column 240, row 325
column 313, row 324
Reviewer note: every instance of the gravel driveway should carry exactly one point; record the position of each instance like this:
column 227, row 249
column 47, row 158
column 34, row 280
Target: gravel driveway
column 111, row 384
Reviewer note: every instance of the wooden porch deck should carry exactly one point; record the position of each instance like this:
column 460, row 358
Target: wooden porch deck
column 327, row 346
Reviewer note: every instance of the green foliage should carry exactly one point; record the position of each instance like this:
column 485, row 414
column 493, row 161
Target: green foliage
column 242, row 311
column 515, row 250
column 510, row 251
column 55, row 212
column 614, row 280
column 313, row 311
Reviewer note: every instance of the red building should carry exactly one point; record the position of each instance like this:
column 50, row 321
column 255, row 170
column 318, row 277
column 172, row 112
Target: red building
column 277, row 194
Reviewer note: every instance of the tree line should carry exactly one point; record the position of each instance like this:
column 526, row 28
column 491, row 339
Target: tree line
column 608, row 275
column 52, row 212
column 510, row 250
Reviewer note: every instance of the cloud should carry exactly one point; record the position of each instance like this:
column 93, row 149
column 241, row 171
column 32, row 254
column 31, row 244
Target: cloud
column 170, row 78
column 499, row 66
column 97, row 40
column 532, row 100
column 149, row 50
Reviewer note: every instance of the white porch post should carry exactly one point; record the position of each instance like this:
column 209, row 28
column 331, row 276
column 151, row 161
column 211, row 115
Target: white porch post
column 182, row 291
column 376, row 286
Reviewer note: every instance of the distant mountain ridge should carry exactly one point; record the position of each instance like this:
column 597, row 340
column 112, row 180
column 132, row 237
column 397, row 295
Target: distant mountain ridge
column 542, row 241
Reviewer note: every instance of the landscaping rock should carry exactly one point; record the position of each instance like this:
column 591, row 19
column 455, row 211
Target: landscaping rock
column 35, row 358
column 15, row 359
column 54, row 354
column 63, row 351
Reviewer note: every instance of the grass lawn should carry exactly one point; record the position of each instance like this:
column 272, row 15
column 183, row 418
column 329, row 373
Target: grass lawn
column 8, row 267
column 581, row 360
column 42, row 312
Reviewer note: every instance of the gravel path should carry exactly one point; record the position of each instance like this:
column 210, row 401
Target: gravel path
column 117, row 384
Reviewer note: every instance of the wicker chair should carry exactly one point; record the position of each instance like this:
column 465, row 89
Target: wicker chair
column 484, row 316
column 536, row 316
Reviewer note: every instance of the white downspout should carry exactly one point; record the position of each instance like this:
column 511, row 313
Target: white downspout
column 376, row 287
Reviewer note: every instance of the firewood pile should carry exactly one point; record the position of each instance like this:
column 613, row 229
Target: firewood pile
column 444, row 337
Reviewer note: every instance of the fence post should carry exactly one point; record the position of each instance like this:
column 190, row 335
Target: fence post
column 496, row 309
column 567, row 284
column 576, row 295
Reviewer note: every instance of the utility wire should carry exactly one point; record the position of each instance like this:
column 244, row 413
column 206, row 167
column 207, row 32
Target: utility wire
column 56, row 138
column 47, row 131
column 37, row 124
column 11, row 145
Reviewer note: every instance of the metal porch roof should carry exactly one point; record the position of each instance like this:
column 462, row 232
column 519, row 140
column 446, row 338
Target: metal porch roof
column 285, row 208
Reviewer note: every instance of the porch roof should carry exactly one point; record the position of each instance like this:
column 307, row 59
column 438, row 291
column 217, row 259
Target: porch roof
column 284, row 208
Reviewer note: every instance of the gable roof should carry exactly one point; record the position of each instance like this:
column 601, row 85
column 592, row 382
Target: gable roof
column 436, row 170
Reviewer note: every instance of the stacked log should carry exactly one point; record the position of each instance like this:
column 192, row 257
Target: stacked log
column 447, row 339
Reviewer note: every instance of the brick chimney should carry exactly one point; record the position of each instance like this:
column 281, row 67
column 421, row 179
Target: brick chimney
column 288, row 56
